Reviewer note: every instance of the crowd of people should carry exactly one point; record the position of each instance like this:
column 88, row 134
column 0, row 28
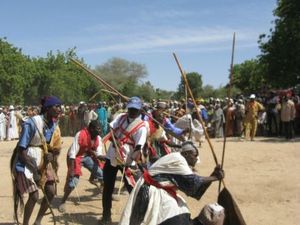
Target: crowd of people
column 152, row 144
column 274, row 114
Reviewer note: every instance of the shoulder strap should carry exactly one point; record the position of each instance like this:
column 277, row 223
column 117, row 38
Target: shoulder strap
column 42, row 137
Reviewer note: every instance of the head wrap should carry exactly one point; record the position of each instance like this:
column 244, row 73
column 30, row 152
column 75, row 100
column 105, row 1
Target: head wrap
column 188, row 146
column 49, row 101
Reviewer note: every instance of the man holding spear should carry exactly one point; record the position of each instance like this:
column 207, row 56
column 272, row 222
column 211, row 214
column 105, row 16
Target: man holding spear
column 33, row 163
column 128, row 136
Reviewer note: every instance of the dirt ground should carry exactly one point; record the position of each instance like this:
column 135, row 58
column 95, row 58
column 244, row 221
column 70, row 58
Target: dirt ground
column 263, row 176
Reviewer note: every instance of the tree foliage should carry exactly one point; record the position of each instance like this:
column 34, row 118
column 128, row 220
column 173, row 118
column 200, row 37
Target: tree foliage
column 195, row 82
column 280, row 50
column 122, row 74
column 24, row 79
column 248, row 76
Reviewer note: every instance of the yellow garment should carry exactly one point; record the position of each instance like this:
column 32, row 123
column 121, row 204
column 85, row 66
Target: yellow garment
column 55, row 146
column 252, row 109
column 56, row 141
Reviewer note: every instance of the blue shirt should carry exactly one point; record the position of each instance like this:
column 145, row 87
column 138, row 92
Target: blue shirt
column 169, row 126
column 28, row 131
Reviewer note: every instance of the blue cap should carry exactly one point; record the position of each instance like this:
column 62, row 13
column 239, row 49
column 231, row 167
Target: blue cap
column 134, row 102
column 49, row 101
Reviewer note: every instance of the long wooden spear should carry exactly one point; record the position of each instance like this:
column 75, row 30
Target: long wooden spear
column 195, row 104
column 108, row 86
column 228, row 104
column 233, row 215
column 111, row 94
column 94, row 96
column 103, row 82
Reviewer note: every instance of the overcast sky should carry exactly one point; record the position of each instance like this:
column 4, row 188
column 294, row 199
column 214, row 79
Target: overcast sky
column 147, row 32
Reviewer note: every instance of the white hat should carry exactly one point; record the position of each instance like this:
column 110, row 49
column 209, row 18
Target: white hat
column 252, row 96
column 212, row 214
column 11, row 107
column 161, row 105
column 188, row 146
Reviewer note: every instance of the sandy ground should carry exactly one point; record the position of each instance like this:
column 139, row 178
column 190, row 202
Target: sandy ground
column 263, row 176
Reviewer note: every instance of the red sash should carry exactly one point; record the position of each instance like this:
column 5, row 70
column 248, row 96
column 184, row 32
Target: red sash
column 171, row 189
column 125, row 135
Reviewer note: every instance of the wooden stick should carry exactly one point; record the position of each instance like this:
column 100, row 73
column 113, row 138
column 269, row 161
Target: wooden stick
column 229, row 96
column 111, row 94
column 227, row 114
column 195, row 104
column 122, row 181
column 98, row 92
column 103, row 82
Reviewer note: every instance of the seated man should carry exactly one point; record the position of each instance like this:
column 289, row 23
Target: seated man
column 154, row 199
column 85, row 151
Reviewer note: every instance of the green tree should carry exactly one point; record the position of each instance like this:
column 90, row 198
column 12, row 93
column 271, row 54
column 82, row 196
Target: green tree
column 280, row 50
column 208, row 91
column 163, row 94
column 55, row 75
column 122, row 74
column 248, row 76
column 147, row 91
column 15, row 71
column 195, row 82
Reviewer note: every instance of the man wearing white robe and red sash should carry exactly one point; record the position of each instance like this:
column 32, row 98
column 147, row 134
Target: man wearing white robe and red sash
column 130, row 134
column 154, row 200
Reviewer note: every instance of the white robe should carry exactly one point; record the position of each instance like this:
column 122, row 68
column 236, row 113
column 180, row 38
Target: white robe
column 161, row 205
column 34, row 150
column 2, row 126
column 12, row 132
column 195, row 126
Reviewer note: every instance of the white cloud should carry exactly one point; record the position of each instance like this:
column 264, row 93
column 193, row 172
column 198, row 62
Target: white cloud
column 192, row 39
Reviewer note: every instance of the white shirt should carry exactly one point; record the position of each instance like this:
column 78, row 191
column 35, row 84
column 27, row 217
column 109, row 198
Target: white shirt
column 74, row 149
column 139, row 138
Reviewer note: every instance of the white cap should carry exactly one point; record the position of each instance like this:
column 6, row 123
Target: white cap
column 212, row 214
column 161, row 105
column 11, row 107
column 252, row 96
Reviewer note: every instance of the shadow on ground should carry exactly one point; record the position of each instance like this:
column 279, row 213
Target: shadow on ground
column 79, row 218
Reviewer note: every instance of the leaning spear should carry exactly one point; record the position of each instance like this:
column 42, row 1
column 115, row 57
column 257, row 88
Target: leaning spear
column 197, row 110
column 233, row 213
column 227, row 113
column 105, row 84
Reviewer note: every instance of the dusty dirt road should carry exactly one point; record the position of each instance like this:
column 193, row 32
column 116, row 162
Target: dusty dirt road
column 263, row 176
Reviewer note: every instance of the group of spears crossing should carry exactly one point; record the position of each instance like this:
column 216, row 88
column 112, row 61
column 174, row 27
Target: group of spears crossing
column 156, row 159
